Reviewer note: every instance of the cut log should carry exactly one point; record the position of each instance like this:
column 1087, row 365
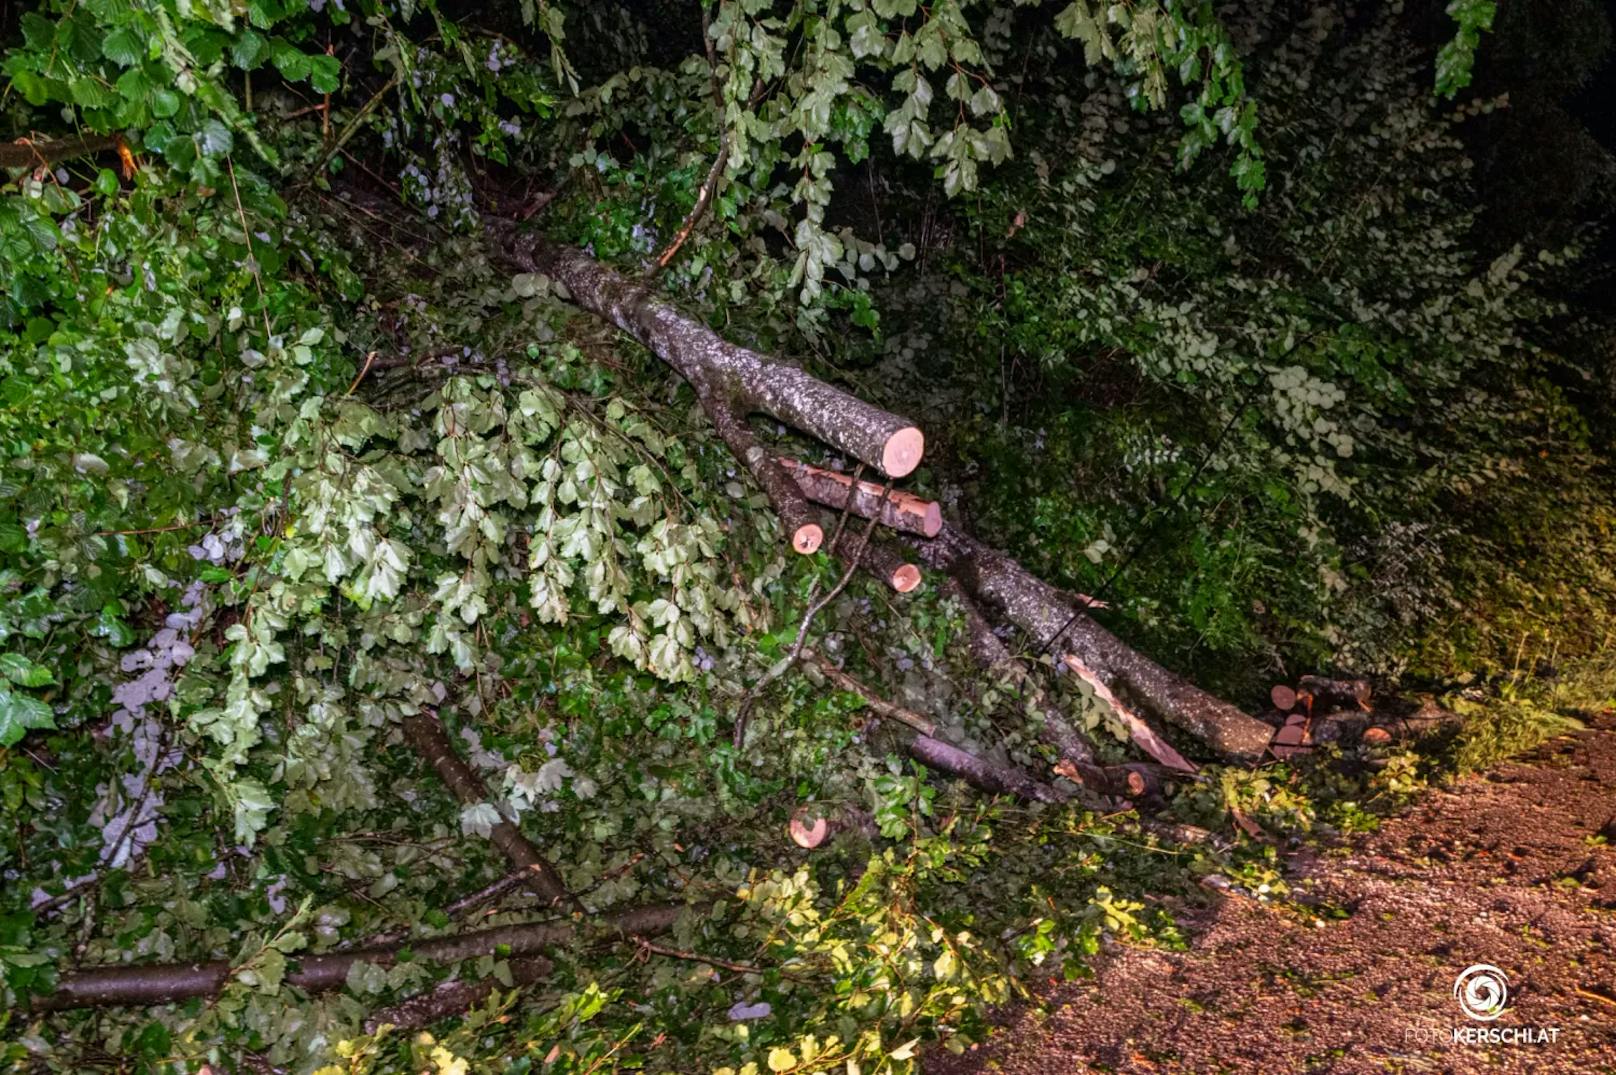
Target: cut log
column 1283, row 697
column 796, row 515
column 125, row 984
column 883, row 562
column 1053, row 620
column 1351, row 727
column 720, row 370
column 1290, row 740
column 899, row 510
column 812, row 824
column 808, row 828
column 1129, row 781
column 425, row 733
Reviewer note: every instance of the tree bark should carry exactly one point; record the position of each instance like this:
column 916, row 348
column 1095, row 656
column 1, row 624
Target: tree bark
column 722, row 370
column 139, row 985
column 1143, row 735
column 898, row 509
column 796, row 516
column 978, row 772
column 425, row 733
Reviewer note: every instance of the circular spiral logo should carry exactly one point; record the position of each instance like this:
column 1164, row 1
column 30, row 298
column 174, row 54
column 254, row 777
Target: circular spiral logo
column 1482, row 991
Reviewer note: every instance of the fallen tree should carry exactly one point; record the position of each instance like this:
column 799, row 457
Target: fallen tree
column 730, row 380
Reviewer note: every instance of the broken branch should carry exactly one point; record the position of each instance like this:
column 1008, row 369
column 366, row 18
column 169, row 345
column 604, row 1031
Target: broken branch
column 25, row 153
column 1049, row 617
column 454, row 997
column 425, row 733
column 122, row 985
column 1143, row 735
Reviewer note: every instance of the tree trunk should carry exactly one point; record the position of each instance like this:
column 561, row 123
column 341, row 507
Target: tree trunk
column 730, row 379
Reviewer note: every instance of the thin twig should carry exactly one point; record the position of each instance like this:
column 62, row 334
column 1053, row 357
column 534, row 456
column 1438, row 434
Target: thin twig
column 252, row 260
column 704, row 198
column 715, row 174
column 370, row 358
column 153, row 529
column 648, row 948
column 472, row 900
column 782, row 666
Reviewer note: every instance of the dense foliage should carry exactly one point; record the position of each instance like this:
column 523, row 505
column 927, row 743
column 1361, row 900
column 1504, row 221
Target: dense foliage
column 1191, row 302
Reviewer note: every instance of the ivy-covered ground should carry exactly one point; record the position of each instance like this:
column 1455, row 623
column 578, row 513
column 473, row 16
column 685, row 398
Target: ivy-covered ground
column 1203, row 312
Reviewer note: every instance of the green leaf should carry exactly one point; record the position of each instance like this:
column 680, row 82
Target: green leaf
column 123, row 47
column 325, row 74
column 165, row 103
column 21, row 670
column 19, row 713
column 89, row 93
column 214, row 139
column 248, row 50
column 113, row 629
column 293, row 65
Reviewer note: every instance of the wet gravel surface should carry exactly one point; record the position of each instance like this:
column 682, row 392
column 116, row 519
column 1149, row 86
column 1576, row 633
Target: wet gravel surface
column 1506, row 868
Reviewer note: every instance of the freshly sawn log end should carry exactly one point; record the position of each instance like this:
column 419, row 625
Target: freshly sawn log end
column 902, row 452
column 905, row 578
column 808, row 538
column 932, row 517
column 808, row 828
